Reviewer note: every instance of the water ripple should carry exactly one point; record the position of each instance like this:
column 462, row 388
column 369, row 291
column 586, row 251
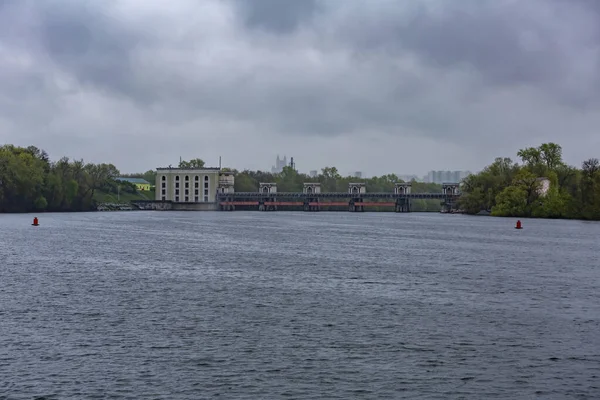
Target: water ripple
column 145, row 305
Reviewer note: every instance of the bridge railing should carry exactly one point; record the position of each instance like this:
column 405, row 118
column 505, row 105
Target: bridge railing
column 380, row 195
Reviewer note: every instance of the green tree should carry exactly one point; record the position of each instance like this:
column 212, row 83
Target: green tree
column 194, row 163
column 551, row 155
column 289, row 180
column 329, row 179
column 530, row 156
column 511, row 202
column 245, row 183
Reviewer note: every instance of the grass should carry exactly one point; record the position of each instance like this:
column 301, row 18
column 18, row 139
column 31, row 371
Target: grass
column 123, row 198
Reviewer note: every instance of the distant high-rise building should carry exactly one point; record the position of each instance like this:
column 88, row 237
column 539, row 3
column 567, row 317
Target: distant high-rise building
column 358, row 174
column 314, row 173
column 279, row 164
column 440, row 177
column 410, row 178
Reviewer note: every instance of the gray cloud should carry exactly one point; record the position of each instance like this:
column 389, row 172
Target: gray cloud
column 275, row 15
column 539, row 43
column 324, row 80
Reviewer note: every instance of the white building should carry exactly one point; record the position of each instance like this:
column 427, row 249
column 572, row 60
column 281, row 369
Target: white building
column 357, row 188
column 187, row 185
column 311, row 187
column 226, row 182
column 544, row 186
column 440, row 177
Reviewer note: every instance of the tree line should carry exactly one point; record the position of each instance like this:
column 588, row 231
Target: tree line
column 29, row 181
column 290, row 180
column 506, row 188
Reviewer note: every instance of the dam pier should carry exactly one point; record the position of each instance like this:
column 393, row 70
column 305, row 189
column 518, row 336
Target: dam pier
column 213, row 189
column 312, row 199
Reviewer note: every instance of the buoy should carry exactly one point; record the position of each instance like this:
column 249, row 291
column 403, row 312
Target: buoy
column 35, row 222
column 518, row 225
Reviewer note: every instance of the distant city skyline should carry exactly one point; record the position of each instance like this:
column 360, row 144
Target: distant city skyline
column 435, row 176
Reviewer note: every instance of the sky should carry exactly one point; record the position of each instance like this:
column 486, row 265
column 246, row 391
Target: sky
column 378, row 86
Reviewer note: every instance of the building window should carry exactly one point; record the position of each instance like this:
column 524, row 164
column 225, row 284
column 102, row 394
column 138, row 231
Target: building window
column 187, row 178
column 176, row 184
column 187, row 192
column 206, row 192
column 187, row 184
column 164, row 178
column 164, row 184
column 196, row 178
column 176, row 192
column 196, row 192
column 164, row 192
column 196, row 184
column 187, row 199
column 205, row 185
column 196, row 199
column 164, row 198
column 177, row 177
column 177, row 199
column 206, row 178
column 206, row 198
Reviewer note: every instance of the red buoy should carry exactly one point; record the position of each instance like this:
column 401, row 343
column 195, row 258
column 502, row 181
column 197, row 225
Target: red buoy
column 518, row 225
column 35, row 222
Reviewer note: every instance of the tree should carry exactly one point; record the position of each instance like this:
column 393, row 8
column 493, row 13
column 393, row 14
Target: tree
column 329, row 179
column 529, row 183
column 574, row 193
column 194, row 163
column 474, row 201
column 511, row 202
column 289, row 180
column 551, row 154
column 244, row 183
column 97, row 175
column 530, row 156
column 590, row 167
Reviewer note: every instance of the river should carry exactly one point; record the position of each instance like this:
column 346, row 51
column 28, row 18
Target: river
column 273, row 305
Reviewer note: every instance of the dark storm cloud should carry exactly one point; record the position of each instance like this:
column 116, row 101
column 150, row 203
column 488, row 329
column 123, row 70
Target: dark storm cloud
column 91, row 44
column 507, row 42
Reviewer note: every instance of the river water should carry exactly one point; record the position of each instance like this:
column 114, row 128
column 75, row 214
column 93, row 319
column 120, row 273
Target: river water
column 250, row 305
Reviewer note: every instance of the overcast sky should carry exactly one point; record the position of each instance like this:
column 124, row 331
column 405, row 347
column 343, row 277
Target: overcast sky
column 372, row 85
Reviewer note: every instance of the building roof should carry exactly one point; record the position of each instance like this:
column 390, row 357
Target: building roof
column 188, row 169
column 133, row 180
